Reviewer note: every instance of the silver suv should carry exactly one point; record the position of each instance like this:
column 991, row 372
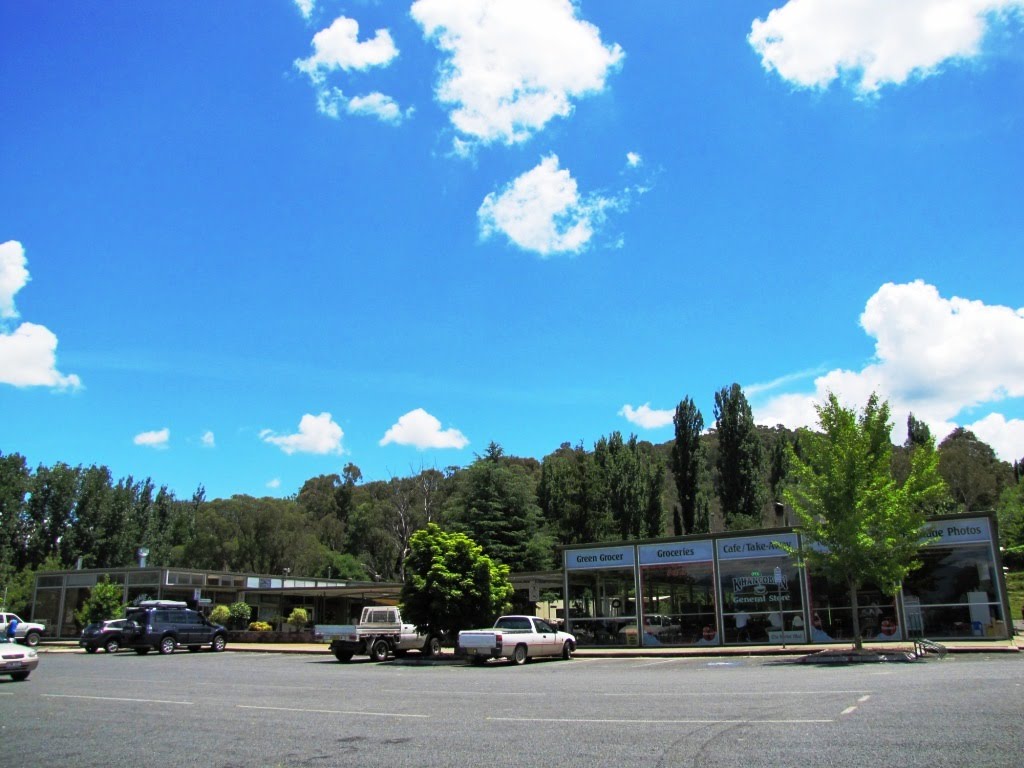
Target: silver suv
column 163, row 625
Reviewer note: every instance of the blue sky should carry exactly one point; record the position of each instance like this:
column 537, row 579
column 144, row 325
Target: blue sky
column 243, row 244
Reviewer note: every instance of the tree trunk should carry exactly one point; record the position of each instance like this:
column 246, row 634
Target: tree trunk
column 858, row 641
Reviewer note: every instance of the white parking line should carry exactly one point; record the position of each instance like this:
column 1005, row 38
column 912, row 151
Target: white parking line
column 648, row 722
column 332, row 711
column 111, row 698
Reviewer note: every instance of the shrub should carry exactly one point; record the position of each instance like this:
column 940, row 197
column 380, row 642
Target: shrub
column 220, row 614
column 298, row 618
column 260, row 626
column 240, row 613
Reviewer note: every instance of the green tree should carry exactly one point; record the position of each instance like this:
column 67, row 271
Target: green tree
column 740, row 464
column 688, row 465
column 450, row 584
column 495, row 504
column 918, row 433
column 572, row 497
column 859, row 526
column 15, row 482
column 975, row 476
column 632, row 477
column 105, row 601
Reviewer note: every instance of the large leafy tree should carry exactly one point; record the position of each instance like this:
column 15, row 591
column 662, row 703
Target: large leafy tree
column 495, row 504
column 860, row 526
column 688, row 465
column 633, row 477
column 450, row 584
column 740, row 464
column 573, row 498
column 975, row 476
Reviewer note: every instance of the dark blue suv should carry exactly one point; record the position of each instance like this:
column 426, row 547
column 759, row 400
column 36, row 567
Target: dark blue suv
column 163, row 625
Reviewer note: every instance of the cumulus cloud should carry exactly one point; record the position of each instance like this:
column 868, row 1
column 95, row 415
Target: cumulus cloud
column 156, row 439
column 338, row 49
column 870, row 43
column 512, row 65
column 418, row 428
column 13, row 276
column 28, row 353
column 633, row 159
column 305, row 7
column 647, row 417
column 208, row 440
column 543, row 211
column 317, row 434
column 935, row 357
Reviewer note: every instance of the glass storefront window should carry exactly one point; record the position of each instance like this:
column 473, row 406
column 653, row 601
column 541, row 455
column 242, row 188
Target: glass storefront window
column 678, row 603
column 832, row 612
column 762, row 597
column 601, row 605
column 954, row 594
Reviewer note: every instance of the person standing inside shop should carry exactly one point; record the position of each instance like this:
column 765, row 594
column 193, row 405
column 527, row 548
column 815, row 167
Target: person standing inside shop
column 742, row 626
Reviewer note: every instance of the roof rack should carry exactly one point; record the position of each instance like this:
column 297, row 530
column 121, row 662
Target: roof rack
column 160, row 604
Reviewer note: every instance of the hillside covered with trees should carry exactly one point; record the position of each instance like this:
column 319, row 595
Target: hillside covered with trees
column 518, row 509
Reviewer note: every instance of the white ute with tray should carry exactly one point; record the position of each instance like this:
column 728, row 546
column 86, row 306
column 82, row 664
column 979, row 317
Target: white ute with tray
column 379, row 634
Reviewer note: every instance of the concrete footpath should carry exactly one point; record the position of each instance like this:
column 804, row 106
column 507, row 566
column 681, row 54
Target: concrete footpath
column 1013, row 645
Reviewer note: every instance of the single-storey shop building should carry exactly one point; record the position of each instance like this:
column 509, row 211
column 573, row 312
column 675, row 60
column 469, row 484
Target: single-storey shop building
column 746, row 588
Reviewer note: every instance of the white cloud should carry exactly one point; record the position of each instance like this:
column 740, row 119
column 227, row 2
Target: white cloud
column 208, row 439
column 13, row 276
column 935, row 357
column 305, row 7
column 156, row 439
column 513, row 65
column 317, row 434
column 542, row 211
column 338, row 48
column 646, row 417
column 28, row 354
column 275, row 483
column 633, row 159
column 871, row 43
column 1006, row 436
column 376, row 104
column 418, row 428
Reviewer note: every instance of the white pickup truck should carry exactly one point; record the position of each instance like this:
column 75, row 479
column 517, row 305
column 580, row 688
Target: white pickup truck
column 26, row 632
column 516, row 638
column 380, row 633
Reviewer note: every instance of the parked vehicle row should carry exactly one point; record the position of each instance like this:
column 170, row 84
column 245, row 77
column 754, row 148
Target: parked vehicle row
column 160, row 625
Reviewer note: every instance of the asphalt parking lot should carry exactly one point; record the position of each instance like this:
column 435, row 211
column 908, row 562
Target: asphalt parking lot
column 272, row 709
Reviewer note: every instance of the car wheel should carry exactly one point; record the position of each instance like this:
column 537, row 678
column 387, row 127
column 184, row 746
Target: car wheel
column 112, row 646
column 433, row 647
column 218, row 644
column 566, row 650
column 32, row 639
column 142, row 651
column 379, row 651
column 167, row 645
column 19, row 676
column 519, row 655
column 343, row 655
